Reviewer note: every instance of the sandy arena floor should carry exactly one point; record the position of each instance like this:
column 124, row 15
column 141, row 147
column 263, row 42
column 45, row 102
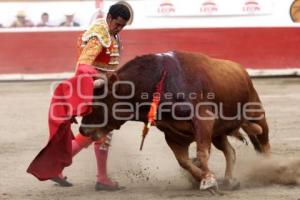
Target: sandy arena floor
column 154, row 172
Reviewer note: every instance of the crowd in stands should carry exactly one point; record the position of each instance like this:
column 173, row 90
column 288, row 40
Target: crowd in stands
column 22, row 21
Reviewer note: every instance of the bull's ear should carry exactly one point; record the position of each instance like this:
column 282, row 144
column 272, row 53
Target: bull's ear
column 112, row 79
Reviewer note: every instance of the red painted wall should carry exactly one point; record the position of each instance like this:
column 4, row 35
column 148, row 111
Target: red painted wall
column 50, row 52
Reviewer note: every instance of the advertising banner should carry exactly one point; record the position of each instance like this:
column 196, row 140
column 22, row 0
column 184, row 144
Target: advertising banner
column 208, row 7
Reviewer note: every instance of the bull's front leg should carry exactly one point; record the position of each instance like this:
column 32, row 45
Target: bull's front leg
column 203, row 129
column 182, row 155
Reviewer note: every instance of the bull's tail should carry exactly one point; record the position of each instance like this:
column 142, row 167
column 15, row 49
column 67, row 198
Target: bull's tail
column 258, row 133
column 255, row 124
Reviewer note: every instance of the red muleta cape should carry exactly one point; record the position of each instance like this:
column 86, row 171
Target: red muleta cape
column 72, row 97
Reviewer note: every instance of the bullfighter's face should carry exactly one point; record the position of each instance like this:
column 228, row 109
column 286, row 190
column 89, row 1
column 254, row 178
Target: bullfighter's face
column 115, row 25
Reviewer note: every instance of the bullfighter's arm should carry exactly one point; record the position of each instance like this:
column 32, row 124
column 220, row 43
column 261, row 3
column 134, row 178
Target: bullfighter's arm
column 88, row 55
column 90, row 52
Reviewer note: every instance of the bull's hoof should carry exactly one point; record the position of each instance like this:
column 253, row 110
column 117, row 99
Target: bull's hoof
column 230, row 184
column 209, row 183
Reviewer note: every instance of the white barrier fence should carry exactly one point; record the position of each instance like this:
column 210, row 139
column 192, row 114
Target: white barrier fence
column 161, row 14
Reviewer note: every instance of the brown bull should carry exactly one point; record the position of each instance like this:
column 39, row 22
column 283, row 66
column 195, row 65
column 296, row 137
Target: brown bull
column 203, row 100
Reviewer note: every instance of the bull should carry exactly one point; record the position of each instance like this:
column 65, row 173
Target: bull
column 203, row 100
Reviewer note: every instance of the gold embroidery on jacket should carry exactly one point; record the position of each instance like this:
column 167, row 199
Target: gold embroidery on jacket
column 99, row 30
column 90, row 52
column 114, row 54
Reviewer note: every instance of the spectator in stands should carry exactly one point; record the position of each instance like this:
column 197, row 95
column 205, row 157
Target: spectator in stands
column 21, row 20
column 69, row 20
column 97, row 15
column 44, row 20
column 1, row 26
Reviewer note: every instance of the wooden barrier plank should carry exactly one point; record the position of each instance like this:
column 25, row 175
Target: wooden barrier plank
column 55, row 51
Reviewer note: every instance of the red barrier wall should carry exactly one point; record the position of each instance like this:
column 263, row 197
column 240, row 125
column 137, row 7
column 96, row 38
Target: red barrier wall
column 50, row 52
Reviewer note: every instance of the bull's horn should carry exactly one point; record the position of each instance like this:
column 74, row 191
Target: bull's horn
column 99, row 83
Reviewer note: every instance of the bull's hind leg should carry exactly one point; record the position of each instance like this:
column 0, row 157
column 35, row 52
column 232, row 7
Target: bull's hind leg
column 221, row 142
column 203, row 130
